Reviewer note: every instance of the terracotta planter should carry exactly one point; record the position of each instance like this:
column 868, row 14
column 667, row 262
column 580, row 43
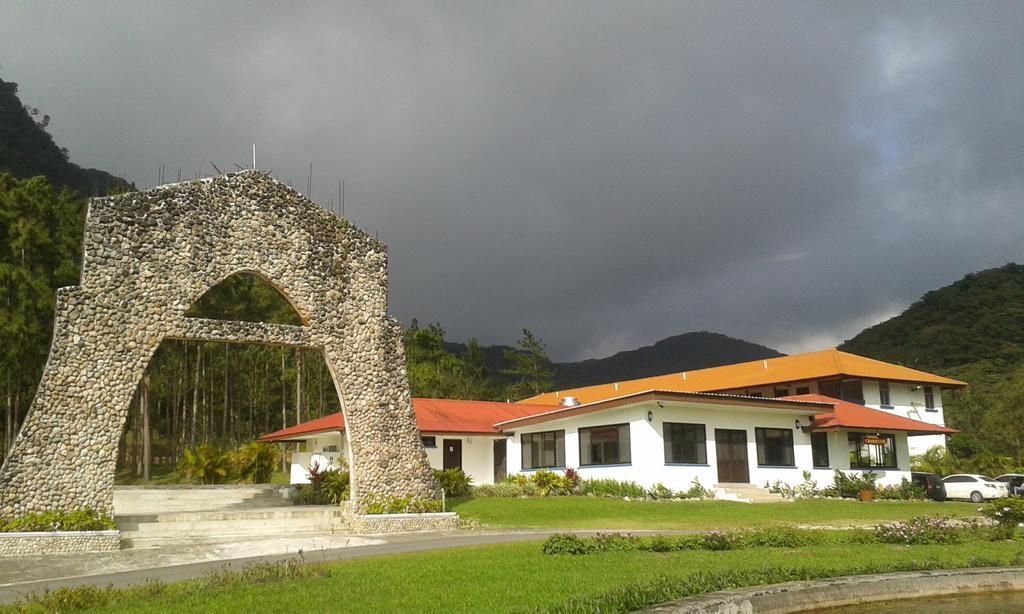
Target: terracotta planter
column 866, row 495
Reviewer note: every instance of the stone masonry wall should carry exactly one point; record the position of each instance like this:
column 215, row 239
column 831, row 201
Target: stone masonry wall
column 17, row 544
column 376, row 524
column 148, row 257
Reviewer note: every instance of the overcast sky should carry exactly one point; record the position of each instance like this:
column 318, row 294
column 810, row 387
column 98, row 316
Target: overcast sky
column 605, row 174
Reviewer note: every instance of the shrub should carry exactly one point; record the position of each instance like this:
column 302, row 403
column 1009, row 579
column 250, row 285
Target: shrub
column 573, row 476
column 550, row 483
column 1007, row 513
column 385, row 504
column 306, row 494
column 206, row 464
column 660, row 491
column 78, row 520
column 927, row 530
column 566, row 543
column 717, row 540
column 454, row 481
column 849, row 485
column 255, row 462
column 504, row 489
column 906, row 491
column 326, row 486
column 603, row 487
column 778, row 538
column 697, row 491
column 335, row 485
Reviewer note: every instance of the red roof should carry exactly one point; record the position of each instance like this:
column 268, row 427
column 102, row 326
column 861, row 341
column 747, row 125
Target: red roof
column 851, row 415
column 432, row 416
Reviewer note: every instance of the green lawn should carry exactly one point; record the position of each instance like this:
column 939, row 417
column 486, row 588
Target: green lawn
column 606, row 513
column 520, row 577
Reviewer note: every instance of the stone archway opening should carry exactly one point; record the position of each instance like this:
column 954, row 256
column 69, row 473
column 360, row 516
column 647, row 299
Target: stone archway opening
column 219, row 396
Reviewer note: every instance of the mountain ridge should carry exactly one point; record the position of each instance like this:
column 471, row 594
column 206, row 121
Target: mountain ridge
column 683, row 352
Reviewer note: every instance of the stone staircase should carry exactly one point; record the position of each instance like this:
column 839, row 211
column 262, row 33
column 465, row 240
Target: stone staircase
column 162, row 499
column 746, row 493
column 206, row 527
column 150, row 517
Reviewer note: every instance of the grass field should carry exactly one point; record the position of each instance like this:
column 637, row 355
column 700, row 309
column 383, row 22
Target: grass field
column 606, row 513
column 520, row 577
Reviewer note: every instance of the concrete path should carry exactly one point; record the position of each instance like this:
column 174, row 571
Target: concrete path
column 23, row 575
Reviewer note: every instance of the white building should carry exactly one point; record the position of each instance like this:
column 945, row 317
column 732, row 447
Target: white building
column 673, row 437
column 891, row 388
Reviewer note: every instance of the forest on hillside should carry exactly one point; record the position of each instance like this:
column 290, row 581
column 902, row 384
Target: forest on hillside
column 971, row 330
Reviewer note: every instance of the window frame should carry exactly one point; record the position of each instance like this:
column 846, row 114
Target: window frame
column 762, row 456
column 929, row 398
column 814, row 452
column 558, row 437
column 700, row 443
column 432, row 438
column 620, row 428
column 884, row 394
column 803, row 390
column 860, row 436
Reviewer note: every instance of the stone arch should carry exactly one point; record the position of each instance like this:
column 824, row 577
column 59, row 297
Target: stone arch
column 147, row 257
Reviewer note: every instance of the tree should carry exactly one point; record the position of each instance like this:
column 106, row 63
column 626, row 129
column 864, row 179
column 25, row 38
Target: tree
column 434, row 372
column 530, row 366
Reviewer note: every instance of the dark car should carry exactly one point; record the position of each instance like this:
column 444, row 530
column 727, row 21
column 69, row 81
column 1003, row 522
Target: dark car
column 932, row 484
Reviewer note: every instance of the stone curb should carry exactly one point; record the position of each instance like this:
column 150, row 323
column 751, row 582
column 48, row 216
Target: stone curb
column 58, row 542
column 811, row 595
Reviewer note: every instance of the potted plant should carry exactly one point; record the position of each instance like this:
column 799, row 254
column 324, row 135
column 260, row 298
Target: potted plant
column 865, row 484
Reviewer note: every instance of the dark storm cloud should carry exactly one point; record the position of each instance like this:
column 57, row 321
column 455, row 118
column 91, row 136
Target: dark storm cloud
column 605, row 174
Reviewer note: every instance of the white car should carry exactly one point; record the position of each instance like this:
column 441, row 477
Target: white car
column 975, row 487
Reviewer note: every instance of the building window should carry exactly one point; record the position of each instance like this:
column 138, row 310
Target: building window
column 883, row 394
column 781, row 392
column 685, row 443
column 929, row 398
column 774, row 447
column 848, row 390
column 429, row 441
column 604, row 445
column 753, row 394
column 869, row 451
column 819, row 450
column 543, row 450
column 803, row 390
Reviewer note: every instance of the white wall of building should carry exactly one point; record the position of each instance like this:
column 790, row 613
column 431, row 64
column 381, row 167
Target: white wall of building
column 477, row 455
column 330, row 448
column 648, row 466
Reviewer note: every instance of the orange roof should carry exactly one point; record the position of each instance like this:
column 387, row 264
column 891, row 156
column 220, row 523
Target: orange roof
column 432, row 416
column 785, row 369
column 851, row 415
column 325, row 424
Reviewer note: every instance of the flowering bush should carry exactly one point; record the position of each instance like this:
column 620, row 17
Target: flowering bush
column 717, row 540
column 1007, row 513
column 927, row 530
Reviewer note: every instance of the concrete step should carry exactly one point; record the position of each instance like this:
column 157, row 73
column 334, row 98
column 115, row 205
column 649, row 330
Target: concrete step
column 747, row 493
column 144, row 500
column 212, row 525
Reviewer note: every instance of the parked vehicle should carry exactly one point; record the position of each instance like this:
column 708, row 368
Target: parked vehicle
column 1014, row 483
column 972, row 486
column 931, row 483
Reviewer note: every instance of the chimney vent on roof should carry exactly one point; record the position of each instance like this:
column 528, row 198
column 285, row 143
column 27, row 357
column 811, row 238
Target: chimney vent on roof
column 570, row 401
